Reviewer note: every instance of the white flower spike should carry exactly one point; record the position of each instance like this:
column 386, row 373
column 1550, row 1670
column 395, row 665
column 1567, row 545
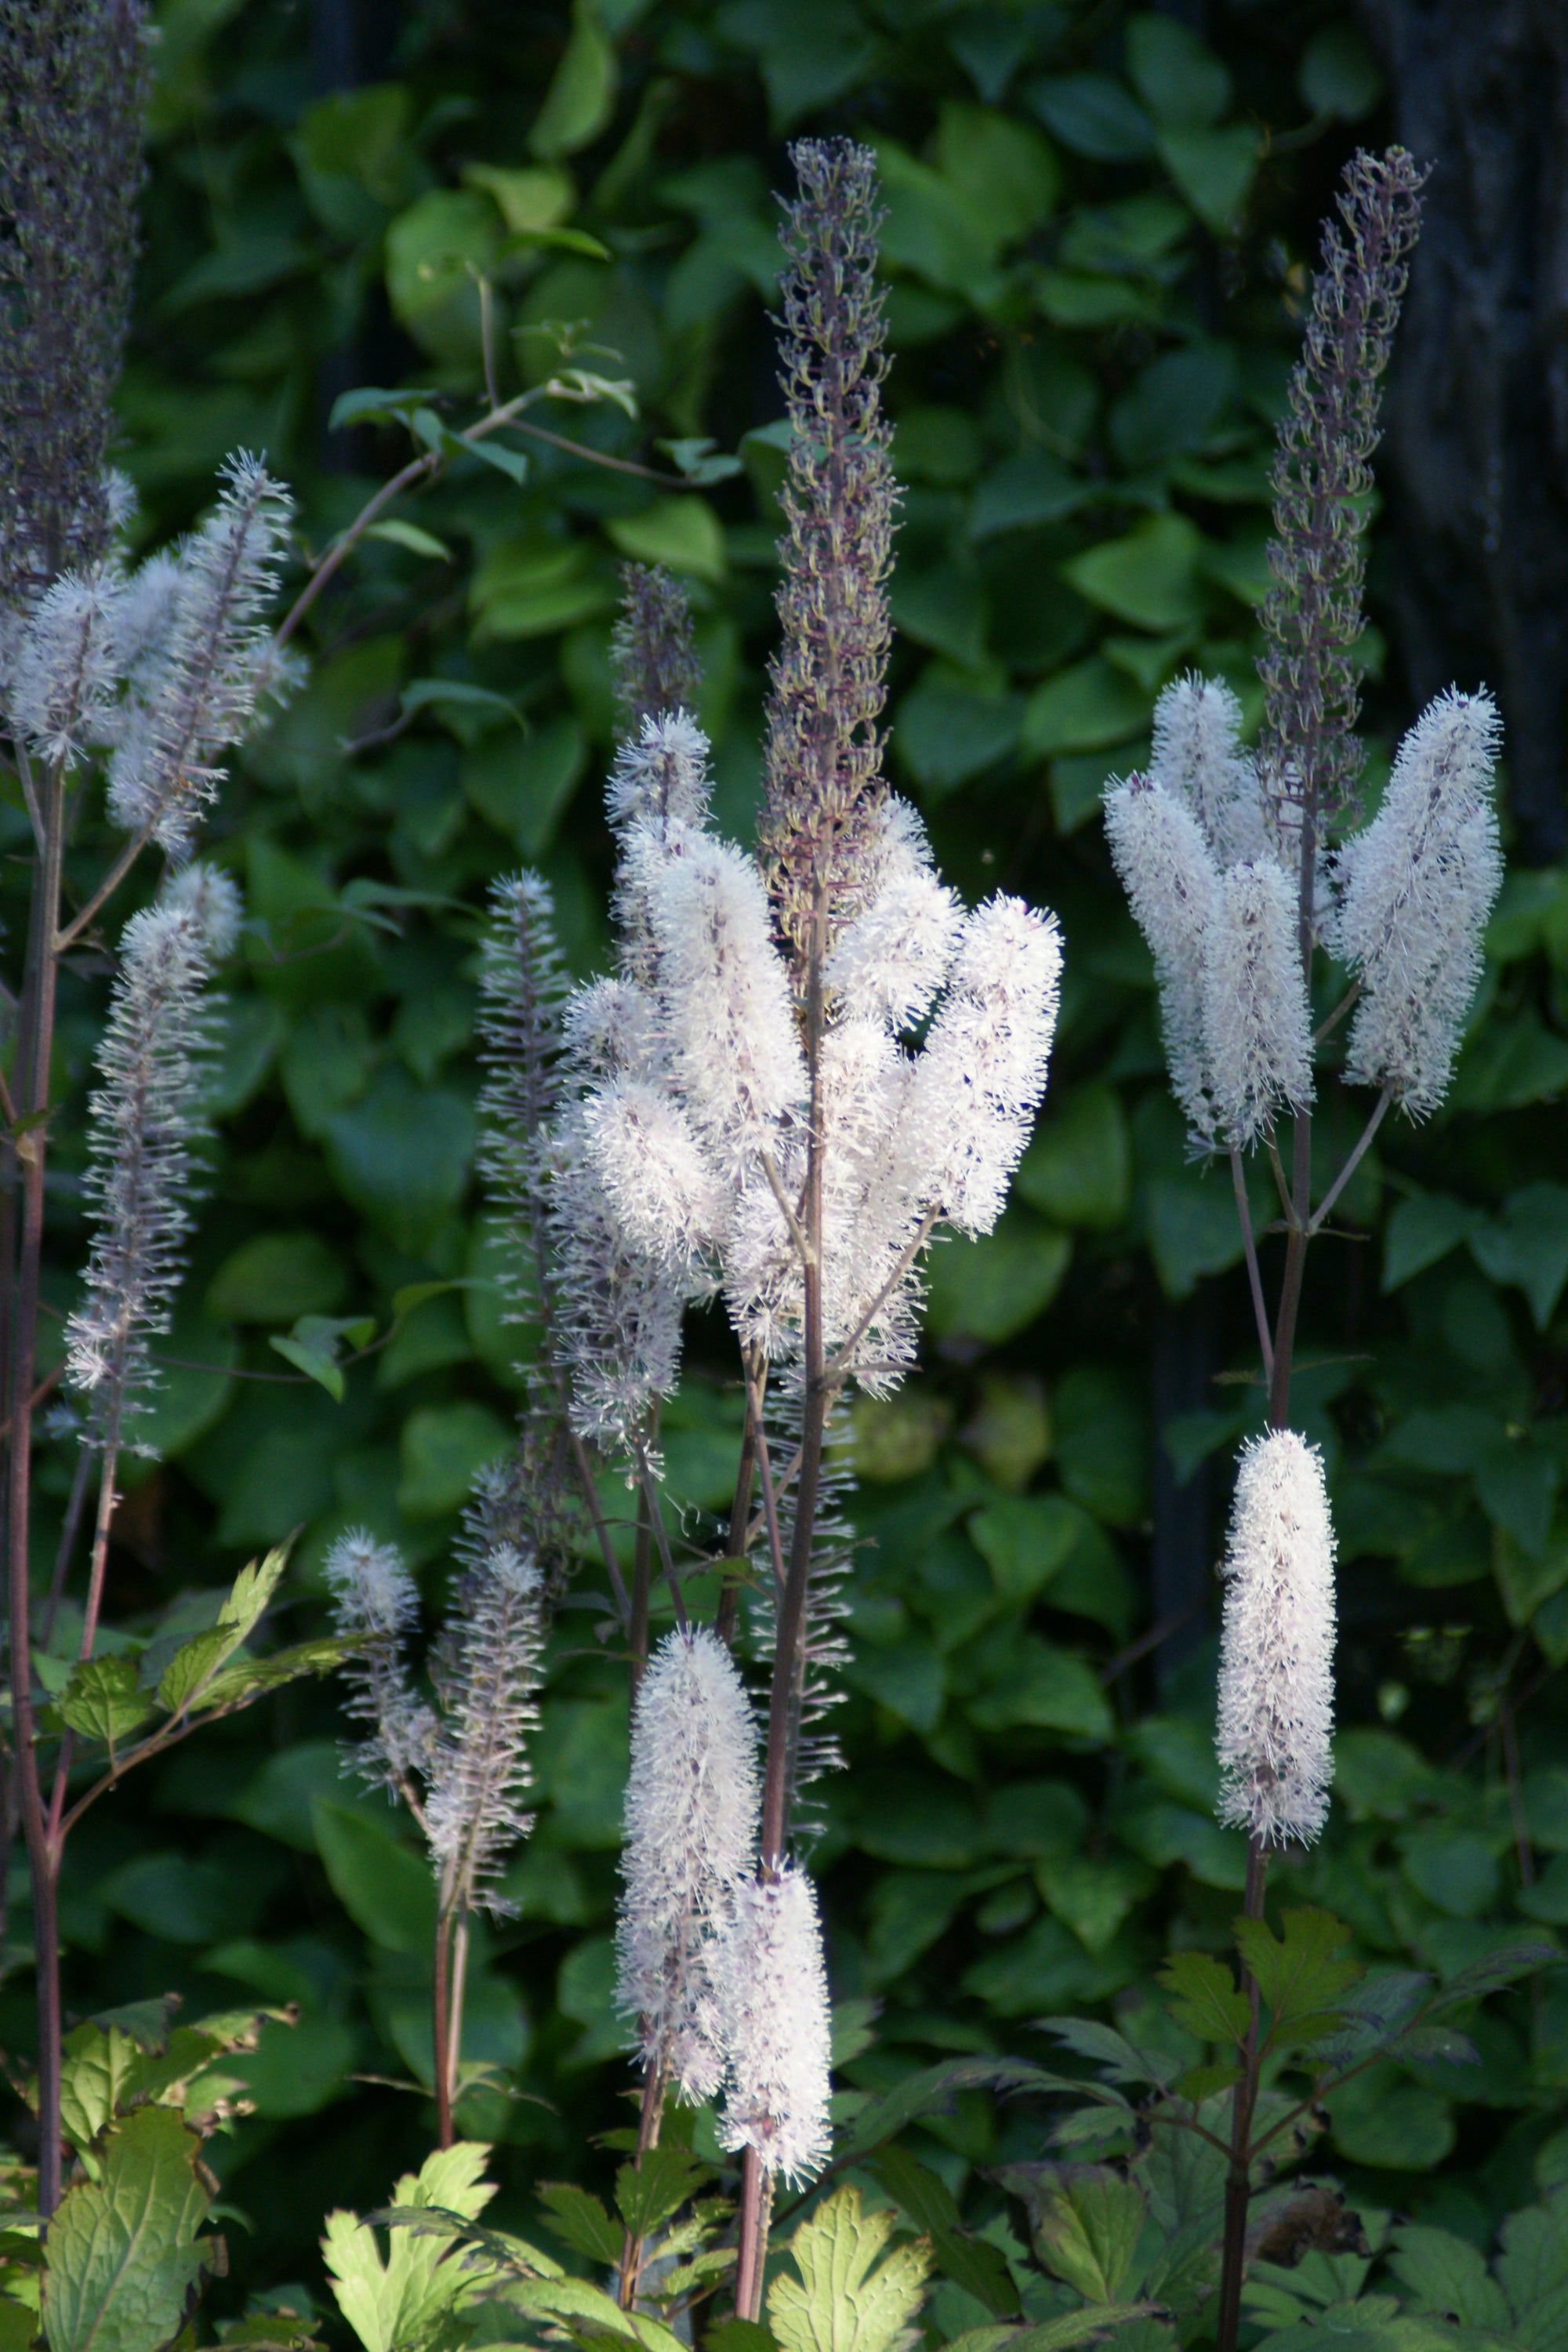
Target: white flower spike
column 1274, row 1733
column 779, row 2028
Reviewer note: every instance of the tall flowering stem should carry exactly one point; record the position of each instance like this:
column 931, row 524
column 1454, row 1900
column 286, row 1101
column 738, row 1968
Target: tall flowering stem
column 1237, row 869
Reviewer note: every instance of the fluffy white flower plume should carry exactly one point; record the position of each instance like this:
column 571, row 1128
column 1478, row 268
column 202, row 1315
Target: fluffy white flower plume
column 778, row 2028
column 664, row 1195
column 610, row 1031
column 64, row 670
column 376, row 1605
column 145, row 1120
column 214, row 660
column 973, row 1089
column 617, row 1311
column 734, row 1053
column 1415, row 888
column 1258, row 1024
column 486, row 1672
column 661, row 776
column 891, row 961
column 211, row 898
column 1172, row 884
column 691, row 1834
column 1276, row 1676
column 1197, row 757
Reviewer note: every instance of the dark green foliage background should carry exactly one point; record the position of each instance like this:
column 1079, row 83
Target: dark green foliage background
column 1099, row 239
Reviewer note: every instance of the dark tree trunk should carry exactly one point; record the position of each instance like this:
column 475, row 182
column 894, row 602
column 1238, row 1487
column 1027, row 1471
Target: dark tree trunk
column 1477, row 456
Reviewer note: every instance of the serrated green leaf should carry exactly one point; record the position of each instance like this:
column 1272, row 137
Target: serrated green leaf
column 398, row 2304
column 649, row 2193
column 1301, row 1972
column 104, row 1700
column 249, row 1677
column 1205, row 2001
column 852, row 2293
column 124, row 2253
column 190, row 1672
column 1086, row 2221
column 1200, row 2082
column 1053, row 2335
column 581, row 2221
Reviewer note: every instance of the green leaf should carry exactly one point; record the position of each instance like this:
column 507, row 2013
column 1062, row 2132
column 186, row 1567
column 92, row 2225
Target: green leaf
column 513, row 463
column 1086, row 2221
column 588, row 2314
column 401, row 1154
column 385, row 1888
column 104, row 1700
column 368, row 405
column 249, row 1678
column 682, row 532
column 1179, row 80
column 1094, row 115
column 1303, row 1971
column 194, row 1664
column 123, row 2253
column 991, row 1289
column 848, row 2297
column 1382, row 2119
column 398, row 533
column 1528, row 1246
column 1149, row 578
column 972, row 2263
column 399, row 2304
column 1213, row 170
column 1084, row 709
column 932, row 2092
column 1077, row 1171
column 426, row 692
column 1337, row 75
column 1085, row 2327
column 312, row 1347
column 581, row 2221
column 701, row 461
column 444, row 1447
column 647, row 2194
column 582, row 94
column 277, row 1277
column 1447, row 2275
column 1205, row 2001
column 1025, row 1540
column 1424, row 1228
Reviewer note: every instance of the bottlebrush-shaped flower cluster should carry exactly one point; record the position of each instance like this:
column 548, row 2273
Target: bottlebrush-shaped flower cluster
column 1276, row 1722
column 721, row 1968
column 680, row 1162
column 160, row 666
column 1209, row 861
